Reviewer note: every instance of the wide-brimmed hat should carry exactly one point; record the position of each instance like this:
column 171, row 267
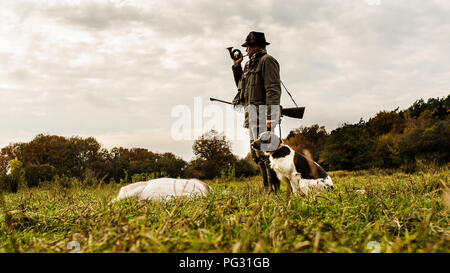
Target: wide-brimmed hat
column 255, row 38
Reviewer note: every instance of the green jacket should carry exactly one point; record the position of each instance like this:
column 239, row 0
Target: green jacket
column 260, row 85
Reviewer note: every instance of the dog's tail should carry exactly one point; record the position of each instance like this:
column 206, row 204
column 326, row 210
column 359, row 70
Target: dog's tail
column 311, row 164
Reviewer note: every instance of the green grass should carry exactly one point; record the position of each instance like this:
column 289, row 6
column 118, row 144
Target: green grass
column 403, row 213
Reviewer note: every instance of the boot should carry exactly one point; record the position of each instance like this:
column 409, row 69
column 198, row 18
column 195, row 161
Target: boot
column 263, row 171
column 274, row 182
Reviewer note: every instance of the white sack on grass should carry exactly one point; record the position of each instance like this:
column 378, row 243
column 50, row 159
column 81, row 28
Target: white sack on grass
column 164, row 188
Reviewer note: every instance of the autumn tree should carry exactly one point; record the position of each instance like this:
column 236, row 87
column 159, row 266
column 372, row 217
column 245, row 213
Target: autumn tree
column 213, row 154
column 4, row 161
column 35, row 174
column 84, row 153
column 171, row 165
column 16, row 174
column 212, row 146
column 420, row 106
column 385, row 122
column 349, row 147
column 312, row 139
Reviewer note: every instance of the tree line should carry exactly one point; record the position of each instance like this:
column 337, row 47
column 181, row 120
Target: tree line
column 84, row 160
column 391, row 139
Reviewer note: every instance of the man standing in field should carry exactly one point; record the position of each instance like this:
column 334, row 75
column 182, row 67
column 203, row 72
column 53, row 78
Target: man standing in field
column 259, row 92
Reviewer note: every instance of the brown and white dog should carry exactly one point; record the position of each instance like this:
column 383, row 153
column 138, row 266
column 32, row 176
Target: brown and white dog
column 163, row 189
column 300, row 172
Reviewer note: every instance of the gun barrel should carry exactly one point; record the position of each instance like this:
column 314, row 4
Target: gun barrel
column 293, row 112
column 222, row 101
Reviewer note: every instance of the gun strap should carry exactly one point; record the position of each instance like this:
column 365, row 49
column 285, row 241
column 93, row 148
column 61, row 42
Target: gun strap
column 279, row 128
column 289, row 93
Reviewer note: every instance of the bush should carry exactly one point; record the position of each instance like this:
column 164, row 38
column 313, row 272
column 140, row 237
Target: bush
column 16, row 176
column 8, row 183
column 34, row 174
column 192, row 172
column 349, row 147
column 213, row 155
column 385, row 122
column 312, row 138
column 66, row 182
column 228, row 174
column 171, row 165
column 206, row 169
column 387, row 152
column 211, row 169
column 139, row 177
column 434, row 144
column 246, row 168
column 89, row 178
column 4, row 182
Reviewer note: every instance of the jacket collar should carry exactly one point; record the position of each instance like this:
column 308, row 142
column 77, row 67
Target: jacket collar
column 255, row 57
column 253, row 61
column 258, row 54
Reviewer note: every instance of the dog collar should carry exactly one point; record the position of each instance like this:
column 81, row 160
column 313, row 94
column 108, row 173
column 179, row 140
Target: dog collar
column 279, row 146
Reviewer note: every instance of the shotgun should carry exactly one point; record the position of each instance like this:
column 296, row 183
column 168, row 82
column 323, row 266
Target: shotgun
column 293, row 112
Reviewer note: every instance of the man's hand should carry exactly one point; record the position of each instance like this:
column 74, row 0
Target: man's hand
column 238, row 61
column 271, row 124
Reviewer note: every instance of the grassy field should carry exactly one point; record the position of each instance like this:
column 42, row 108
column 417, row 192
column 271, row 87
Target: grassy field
column 399, row 212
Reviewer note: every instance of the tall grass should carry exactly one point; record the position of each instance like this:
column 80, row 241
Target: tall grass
column 402, row 212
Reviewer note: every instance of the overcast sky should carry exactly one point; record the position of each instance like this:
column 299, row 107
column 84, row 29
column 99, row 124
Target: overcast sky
column 115, row 70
